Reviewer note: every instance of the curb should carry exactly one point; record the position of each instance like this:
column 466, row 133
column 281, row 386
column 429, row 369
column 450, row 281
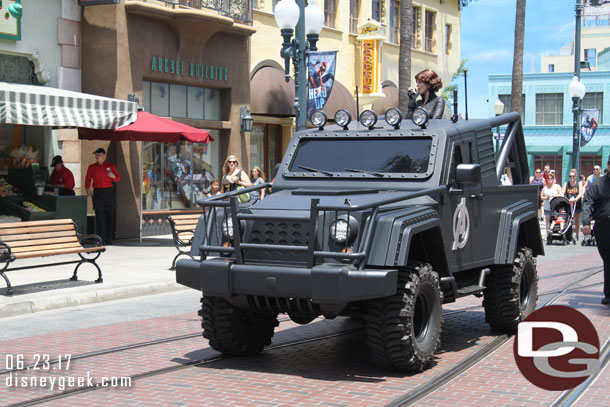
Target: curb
column 88, row 297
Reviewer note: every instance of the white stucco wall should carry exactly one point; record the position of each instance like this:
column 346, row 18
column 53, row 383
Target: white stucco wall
column 38, row 32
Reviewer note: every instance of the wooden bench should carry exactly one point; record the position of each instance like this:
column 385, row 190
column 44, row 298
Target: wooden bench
column 183, row 231
column 43, row 238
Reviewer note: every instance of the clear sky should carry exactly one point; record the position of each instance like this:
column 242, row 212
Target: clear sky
column 487, row 41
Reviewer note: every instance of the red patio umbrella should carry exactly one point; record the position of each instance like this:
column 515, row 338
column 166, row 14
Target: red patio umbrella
column 148, row 127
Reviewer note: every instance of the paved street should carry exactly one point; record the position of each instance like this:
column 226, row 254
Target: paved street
column 323, row 363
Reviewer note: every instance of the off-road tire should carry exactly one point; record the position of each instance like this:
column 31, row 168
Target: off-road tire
column 235, row 332
column 511, row 292
column 403, row 331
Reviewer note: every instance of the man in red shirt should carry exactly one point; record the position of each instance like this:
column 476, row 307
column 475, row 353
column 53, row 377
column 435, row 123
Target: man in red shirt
column 61, row 177
column 103, row 176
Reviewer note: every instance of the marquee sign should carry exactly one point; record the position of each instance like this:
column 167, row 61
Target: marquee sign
column 10, row 19
column 371, row 41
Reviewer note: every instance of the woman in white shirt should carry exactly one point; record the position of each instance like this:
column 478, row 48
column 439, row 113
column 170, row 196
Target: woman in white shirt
column 550, row 191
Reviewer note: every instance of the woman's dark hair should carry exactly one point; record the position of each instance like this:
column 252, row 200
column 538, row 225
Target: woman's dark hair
column 430, row 78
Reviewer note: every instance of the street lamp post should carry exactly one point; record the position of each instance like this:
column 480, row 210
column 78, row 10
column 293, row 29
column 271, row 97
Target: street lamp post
column 577, row 91
column 498, row 110
column 307, row 20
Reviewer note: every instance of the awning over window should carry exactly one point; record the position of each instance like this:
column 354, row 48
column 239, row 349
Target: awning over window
column 44, row 106
column 390, row 100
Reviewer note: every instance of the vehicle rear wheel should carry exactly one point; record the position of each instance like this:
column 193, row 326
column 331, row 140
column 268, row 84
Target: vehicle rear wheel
column 511, row 293
column 404, row 330
column 235, row 332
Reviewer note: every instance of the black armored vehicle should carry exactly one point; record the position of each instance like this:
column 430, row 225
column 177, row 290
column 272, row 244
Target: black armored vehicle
column 379, row 220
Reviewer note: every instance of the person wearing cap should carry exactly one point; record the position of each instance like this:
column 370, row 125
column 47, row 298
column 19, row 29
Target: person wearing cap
column 99, row 182
column 61, row 177
column 596, row 206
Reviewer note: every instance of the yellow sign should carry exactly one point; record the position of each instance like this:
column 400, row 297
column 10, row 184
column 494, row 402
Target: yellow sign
column 369, row 78
column 10, row 19
column 371, row 40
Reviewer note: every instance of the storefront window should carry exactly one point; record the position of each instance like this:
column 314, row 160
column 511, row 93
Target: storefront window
column 213, row 108
column 189, row 102
column 257, row 146
column 159, row 98
column 177, row 101
column 195, row 102
column 265, row 147
column 176, row 175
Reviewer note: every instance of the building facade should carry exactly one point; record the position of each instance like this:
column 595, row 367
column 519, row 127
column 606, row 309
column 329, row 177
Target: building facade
column 548, row 118
column 547, row 107
column 42, row 48
column 181, row 60
column 436, row 45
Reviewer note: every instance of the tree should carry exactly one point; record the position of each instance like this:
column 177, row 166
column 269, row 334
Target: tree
column 448, row 92
column 404, row 56
column 517, row 79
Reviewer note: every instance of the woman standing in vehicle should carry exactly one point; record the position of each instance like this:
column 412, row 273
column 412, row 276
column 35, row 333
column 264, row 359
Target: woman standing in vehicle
column 428, row 83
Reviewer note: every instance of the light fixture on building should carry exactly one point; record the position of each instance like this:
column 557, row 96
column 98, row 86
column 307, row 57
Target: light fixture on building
column 246, row 121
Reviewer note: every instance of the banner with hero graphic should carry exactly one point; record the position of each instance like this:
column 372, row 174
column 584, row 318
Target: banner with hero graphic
column 588, row 125
column 320, row 80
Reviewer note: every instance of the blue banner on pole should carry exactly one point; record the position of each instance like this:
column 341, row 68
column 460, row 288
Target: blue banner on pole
column 320, row 79
column 589, row 121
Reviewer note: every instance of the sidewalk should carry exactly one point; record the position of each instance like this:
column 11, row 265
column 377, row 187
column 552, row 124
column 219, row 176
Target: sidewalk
column 128, row 269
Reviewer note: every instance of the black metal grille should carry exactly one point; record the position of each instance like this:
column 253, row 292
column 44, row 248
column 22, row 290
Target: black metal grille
column 280, row 233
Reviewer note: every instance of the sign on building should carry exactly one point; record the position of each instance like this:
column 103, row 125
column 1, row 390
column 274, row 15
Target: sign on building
column 10, row 19
column 371, row 40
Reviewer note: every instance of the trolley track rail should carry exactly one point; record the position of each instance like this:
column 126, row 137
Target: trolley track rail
column 470, row 361
column 570, row 397
column 408, row 399
column 171, row 369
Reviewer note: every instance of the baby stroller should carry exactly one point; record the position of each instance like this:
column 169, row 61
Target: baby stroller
column 589, row 240
column 562, row 218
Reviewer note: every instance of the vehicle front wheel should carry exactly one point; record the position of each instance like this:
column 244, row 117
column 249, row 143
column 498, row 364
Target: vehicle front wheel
column 404, row 330
column 235, row 332
column 511, row 293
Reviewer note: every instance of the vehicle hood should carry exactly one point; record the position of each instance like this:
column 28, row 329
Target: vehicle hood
column 300, row 199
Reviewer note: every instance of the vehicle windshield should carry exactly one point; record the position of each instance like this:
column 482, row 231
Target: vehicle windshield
column 381, row 155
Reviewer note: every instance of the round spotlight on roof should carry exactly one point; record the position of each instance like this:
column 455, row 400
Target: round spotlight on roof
column 368, row 118
column 343, row 118
column 319, row 119
column 420, row 117
column 393, row 117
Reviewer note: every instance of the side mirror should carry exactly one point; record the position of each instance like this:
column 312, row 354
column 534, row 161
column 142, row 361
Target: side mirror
column 468, row 174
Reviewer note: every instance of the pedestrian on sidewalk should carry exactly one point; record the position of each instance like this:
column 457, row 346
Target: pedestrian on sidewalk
column 596, row 206
column 572, row 191
column 550, row 191
column 103, row 176
column 597, row 172
column 258, row 177
column 538, row 180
